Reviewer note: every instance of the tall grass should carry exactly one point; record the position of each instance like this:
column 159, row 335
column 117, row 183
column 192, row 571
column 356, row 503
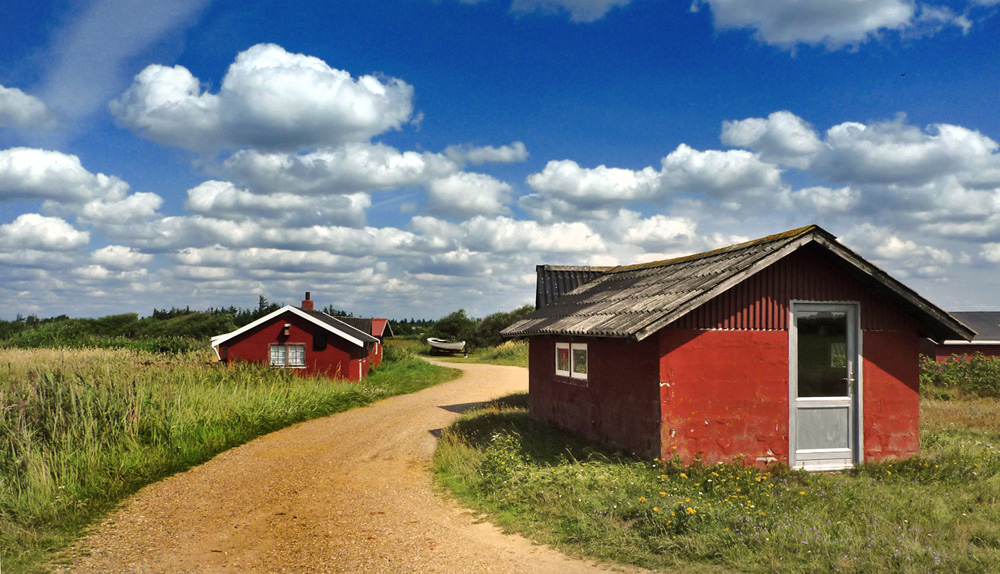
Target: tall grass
column 81, row 429
column 935, row 513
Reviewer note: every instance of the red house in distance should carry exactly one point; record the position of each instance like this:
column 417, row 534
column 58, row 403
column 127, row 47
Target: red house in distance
column 789, row 349
column 986, row 342
column 301, row 338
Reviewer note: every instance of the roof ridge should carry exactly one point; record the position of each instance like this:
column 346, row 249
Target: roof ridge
column 727, row 249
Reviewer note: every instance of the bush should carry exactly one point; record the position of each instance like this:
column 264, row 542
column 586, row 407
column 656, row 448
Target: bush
column 455, row 327
column 488, row 330
column 975, row 375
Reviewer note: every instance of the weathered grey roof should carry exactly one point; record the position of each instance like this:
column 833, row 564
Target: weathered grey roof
column 986, row 324
column 554, row 281
column 635, row 301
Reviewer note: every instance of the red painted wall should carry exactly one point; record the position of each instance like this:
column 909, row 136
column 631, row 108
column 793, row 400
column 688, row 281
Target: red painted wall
column 617, row 405
column 724, row 394
column 891, row 394
column 340, row 359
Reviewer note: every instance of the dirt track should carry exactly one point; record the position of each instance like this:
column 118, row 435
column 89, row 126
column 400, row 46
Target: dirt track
column 348, row 493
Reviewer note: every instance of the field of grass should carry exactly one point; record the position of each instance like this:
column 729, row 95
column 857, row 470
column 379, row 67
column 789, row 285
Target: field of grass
column 939, row 512
column 82, row 429
column 511, row 353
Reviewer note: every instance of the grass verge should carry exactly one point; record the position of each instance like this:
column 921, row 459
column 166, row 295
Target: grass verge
column 82, row 429
column 509, row 353
column 935, row 513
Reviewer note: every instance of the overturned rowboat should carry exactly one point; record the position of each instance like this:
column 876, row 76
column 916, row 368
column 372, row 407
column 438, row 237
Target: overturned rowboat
column 443, row 346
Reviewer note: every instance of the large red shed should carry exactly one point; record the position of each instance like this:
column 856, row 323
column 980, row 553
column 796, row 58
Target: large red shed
column 790, row 349
column 300, row 338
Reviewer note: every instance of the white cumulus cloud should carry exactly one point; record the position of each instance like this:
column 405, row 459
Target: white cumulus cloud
column 120, row 257
column 20, row 110
column 27, row 173
column 224, row 200
column 350, row 168
column 467, row 194
column 31, row 231
column 831, row 23
column 512, row 153
column 781, row 138
column 269, row 99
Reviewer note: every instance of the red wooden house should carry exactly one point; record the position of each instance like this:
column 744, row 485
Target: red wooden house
column 300, row 338
column 376, row 328
column 790, row 349
column 986, row 342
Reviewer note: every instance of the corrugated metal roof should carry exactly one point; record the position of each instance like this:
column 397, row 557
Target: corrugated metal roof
column 635, row 301
column 554, row 281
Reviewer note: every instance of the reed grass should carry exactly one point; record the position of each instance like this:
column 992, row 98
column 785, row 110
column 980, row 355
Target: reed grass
column 82, row 429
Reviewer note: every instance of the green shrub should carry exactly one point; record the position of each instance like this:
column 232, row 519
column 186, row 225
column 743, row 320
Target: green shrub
column 973, row 375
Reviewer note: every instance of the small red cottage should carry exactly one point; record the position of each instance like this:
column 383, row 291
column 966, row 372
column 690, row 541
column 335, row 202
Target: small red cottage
column 791, row 349
column 300, row 338
column 375, row 328
column 986, row 342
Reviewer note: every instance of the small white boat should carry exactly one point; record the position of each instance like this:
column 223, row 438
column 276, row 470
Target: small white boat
column 441, row 345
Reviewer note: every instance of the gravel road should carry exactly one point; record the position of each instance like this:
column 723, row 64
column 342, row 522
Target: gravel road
column 347, row 493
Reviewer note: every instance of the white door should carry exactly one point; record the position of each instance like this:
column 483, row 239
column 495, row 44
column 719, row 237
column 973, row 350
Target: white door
column 824, row 386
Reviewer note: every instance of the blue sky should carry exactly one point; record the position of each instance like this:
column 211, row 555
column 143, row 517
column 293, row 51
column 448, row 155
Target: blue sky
column 407, row 158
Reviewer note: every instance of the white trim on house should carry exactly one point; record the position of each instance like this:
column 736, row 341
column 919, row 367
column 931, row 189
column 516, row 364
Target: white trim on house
column 219, row 339
column 960, row 342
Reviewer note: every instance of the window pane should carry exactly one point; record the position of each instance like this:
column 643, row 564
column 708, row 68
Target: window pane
column 822, row 354
column 278, row 355
column 562, row 359
column 580, row 360
column 297, row 355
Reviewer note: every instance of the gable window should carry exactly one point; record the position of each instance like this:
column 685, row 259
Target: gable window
column 288, row 355
column 571, row 360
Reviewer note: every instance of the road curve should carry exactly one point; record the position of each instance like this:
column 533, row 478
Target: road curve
column 351, row 492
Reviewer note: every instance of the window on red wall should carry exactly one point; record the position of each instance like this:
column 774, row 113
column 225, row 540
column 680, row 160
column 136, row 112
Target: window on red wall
column 288, row 355
column 571, row 360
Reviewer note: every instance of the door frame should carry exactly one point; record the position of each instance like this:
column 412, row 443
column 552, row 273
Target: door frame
column 853, row 310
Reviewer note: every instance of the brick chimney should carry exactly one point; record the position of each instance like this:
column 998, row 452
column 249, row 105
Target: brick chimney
column 307, row 303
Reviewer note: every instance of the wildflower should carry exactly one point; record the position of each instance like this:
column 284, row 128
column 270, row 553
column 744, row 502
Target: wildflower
column 683, row 475
column 656, row 509
column 802, row 492
column 642, row 499
column 691, row 510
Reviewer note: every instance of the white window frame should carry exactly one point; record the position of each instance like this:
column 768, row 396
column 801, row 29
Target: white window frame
column 573, row 348
column 560, row 372
column 284, row 357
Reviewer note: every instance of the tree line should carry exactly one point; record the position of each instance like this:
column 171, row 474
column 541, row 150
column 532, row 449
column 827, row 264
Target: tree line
column 180, row 329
